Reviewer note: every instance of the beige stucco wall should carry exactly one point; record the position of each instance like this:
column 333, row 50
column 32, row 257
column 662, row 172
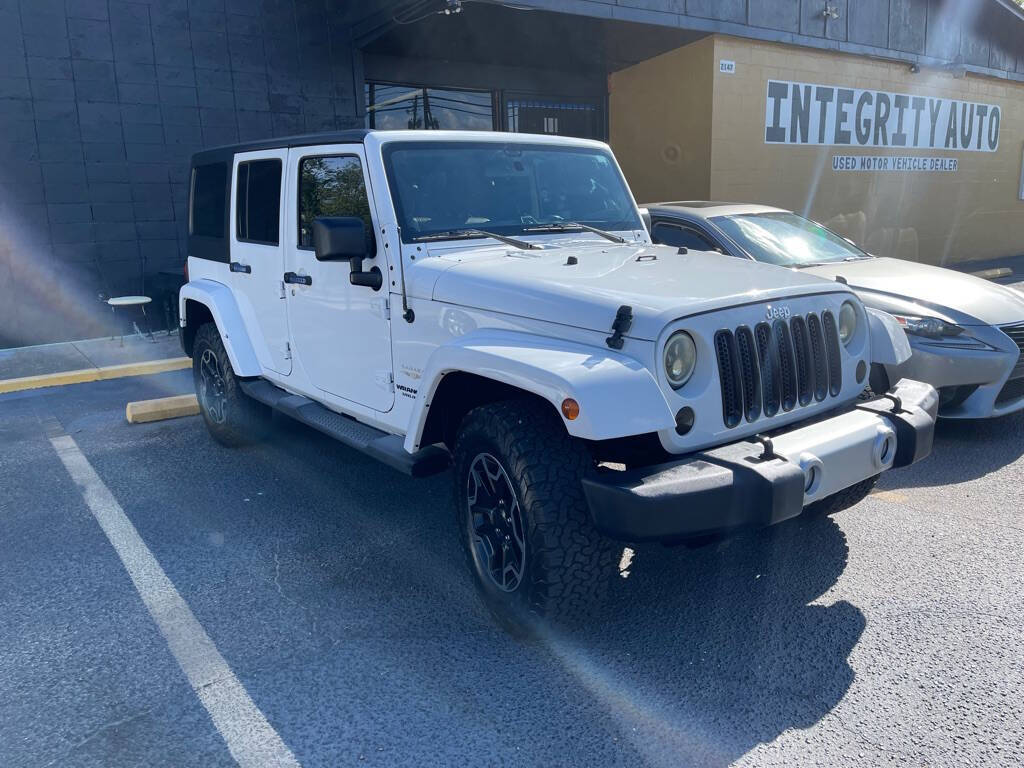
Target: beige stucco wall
column 938, row 218
column 660, row 123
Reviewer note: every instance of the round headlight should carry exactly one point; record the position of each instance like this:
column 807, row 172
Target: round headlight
column 847, row 322
column 680, row 358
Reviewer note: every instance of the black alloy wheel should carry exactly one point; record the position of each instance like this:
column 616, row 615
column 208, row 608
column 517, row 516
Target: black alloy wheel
column 497, row 532
column 211, row 386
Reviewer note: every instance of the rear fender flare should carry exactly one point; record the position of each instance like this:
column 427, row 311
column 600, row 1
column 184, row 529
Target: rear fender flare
column 618, row 396
column 218, row 298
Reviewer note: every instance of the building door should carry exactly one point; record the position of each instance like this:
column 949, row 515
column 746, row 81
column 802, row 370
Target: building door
column 257, row 254
column 341, row 335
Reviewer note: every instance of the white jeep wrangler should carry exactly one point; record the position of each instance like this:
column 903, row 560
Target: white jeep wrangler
column 493, row 302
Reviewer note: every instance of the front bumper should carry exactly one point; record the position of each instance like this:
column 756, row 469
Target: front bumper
column 981, row 374
column 753, row 484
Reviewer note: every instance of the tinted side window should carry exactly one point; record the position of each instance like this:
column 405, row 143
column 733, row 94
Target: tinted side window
column 206, row 217
column 681, row 237
column 258, row 204
column 331, row 186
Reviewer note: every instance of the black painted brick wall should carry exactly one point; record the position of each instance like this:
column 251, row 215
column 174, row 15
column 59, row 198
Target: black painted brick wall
column 101, row 104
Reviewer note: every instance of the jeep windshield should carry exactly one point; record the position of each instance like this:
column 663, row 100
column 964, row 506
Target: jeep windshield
column 508, row 189
column 786, row 239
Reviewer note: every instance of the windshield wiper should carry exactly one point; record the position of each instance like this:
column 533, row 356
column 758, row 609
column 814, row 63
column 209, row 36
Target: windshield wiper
column 564, row 226
column 464, row 234
column 804, row 264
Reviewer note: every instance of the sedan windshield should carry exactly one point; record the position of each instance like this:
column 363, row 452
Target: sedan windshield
column 508, row 189
column 787, row 239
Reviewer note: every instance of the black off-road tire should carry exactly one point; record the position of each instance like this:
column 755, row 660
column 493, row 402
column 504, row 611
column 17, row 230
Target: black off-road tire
column 844, row 499
column 567, row 565
column 233, row 418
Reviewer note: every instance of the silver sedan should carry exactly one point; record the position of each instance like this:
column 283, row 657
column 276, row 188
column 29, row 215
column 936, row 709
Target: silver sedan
column 967, row 334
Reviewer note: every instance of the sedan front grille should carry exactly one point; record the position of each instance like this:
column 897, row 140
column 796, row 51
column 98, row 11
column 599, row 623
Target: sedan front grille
column 1016, row 332
column 778, row 366
column 1012, row 390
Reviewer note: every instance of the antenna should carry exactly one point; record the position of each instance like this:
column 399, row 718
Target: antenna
column 407, row 314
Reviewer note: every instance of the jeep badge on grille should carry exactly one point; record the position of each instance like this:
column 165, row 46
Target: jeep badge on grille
column 777, row 313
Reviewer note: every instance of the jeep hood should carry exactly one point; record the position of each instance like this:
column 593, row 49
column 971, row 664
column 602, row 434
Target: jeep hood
column 985, row 302
column 659, row 283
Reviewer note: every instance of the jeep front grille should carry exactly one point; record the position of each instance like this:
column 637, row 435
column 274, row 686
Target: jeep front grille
column 781, row 366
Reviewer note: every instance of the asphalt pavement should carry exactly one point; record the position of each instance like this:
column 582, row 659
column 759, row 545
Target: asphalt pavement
column 335, row 591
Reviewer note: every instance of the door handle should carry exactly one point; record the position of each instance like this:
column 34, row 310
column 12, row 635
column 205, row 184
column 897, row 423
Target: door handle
column 239, row 267
column 291, row 277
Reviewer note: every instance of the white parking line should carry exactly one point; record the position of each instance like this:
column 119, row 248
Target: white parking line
column 251, row 740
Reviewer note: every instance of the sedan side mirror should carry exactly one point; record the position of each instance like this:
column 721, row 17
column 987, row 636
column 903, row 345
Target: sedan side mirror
column 342, row 238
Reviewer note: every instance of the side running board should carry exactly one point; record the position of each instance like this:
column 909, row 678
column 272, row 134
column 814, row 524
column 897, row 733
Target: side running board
column 373, row 442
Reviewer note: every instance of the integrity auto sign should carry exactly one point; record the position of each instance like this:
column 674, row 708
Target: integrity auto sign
column 825, row 115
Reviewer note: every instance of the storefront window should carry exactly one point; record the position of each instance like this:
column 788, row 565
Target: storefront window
column 399, row 107
column 559, row 117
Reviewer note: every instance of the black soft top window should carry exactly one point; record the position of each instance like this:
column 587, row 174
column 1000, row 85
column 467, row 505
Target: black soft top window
column 207, row 214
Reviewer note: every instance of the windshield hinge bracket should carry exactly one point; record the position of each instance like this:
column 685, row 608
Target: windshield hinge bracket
column 385, row 380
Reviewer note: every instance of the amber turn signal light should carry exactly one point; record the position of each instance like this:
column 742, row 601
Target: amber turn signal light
column 570, row 409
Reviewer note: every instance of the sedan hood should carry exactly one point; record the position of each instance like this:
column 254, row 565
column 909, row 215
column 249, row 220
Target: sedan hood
column 584, row 285
column 979, row 301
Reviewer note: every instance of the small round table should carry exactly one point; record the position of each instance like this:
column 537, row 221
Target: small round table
column 131, row 301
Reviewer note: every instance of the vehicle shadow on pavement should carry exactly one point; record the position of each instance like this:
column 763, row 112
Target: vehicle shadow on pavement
column 966, row 450
column 699, row 655
column 704, row 654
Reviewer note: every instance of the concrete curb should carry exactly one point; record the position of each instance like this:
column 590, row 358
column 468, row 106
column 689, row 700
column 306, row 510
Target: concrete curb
column 161, row 408
column 94, row 374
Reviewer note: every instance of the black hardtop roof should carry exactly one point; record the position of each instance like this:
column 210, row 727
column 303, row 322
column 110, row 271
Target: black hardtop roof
column 219, row 154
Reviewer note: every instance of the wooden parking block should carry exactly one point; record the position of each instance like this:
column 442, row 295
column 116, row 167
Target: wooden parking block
column 161, row 408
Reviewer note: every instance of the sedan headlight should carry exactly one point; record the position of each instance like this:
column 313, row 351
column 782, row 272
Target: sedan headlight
column 680, row 358
column 929, row 327
column 847, row 322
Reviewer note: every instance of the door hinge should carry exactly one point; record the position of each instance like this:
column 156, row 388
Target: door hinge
column 280, row 286
column 385, row 380
column 381, row 307
column 287, row 350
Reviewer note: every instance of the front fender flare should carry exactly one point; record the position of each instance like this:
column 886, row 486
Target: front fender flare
column 218, row 298
column 618, row 396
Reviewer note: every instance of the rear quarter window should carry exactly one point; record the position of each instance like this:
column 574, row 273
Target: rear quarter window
column 207, row 212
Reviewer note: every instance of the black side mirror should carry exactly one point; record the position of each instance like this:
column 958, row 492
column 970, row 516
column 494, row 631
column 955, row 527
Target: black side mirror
column 345, row 238
column 342, row 238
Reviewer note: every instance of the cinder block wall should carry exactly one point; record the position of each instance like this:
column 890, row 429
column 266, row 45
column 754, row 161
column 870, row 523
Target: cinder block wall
column 101, row 104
